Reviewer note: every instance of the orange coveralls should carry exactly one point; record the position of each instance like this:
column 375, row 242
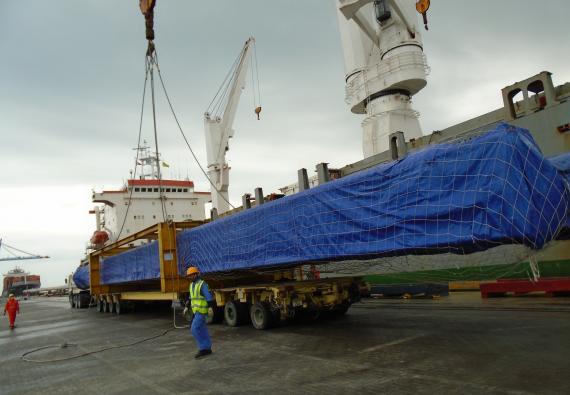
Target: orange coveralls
column 12, row 307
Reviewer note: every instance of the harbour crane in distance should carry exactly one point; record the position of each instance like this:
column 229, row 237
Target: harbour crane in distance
column 10, row 250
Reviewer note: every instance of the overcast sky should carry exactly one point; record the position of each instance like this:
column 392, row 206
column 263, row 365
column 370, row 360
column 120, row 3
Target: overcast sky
column 72, row 73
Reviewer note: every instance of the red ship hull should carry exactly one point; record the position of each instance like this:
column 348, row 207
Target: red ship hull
column 18, row 284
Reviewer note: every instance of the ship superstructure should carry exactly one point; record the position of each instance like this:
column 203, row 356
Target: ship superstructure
column 145, row 201
column 18, row 280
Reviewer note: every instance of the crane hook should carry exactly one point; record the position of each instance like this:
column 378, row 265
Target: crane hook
column 422, row 6
column 257, row 111
column 147, row 8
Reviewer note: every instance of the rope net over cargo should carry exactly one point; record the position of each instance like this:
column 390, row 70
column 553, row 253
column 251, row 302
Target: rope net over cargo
column 489, row 200
column 506, row 260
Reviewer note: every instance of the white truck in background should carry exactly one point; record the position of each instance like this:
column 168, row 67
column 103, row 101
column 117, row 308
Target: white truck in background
column 78, row 298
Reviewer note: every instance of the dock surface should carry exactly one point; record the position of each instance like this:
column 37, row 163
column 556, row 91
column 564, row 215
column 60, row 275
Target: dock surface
column 456, row 344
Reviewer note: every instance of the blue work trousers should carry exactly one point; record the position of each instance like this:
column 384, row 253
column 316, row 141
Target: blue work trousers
column 199, row 330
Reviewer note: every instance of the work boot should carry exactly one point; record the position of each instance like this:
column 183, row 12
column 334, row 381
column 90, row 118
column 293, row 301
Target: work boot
column 202, row 353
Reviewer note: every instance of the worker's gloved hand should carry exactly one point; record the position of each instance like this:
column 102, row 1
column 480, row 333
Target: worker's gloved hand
column 185, row 311
column 211, row 304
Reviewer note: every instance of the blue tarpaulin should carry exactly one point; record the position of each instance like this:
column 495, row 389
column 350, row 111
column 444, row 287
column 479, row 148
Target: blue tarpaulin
column 461, row 198
column 562, row 163
column 140, row 263
column 81, row 277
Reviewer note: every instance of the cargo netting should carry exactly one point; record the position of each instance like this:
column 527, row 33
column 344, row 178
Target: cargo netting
column 489, row 200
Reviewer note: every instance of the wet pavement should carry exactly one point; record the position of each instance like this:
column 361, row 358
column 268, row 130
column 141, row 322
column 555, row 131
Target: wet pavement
column 457, row 344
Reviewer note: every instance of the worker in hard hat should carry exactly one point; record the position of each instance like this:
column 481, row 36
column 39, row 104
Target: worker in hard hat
column 12, row 307
column 200, row 302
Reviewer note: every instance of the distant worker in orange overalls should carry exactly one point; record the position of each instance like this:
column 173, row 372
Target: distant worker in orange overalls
column 12, row 307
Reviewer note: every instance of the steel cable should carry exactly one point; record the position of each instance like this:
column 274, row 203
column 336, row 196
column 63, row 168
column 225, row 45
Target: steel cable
column 138, row 150
column 186, row 140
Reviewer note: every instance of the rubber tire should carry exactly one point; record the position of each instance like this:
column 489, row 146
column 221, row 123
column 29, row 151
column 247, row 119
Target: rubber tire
column 71, row 301
column 105, row 306
column 78, row 301
column 100, row 306
column 260, row 315
column 120, row 308
column 342, row 309
column 338, row 311
column 112, row 307
column 235, row 313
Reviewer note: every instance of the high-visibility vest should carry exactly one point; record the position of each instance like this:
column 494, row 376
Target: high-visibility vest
column 198, row 301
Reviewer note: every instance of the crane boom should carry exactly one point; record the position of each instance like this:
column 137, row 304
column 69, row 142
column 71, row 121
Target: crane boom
column 218, row 129
column 18, row 258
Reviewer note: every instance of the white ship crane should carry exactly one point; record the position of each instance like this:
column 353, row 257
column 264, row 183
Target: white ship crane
column 385, row 66
column 218, row 122
column 14, row 252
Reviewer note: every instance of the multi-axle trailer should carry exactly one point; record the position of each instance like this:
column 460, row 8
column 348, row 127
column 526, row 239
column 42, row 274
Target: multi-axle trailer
column 262, row 298
column 256, row 260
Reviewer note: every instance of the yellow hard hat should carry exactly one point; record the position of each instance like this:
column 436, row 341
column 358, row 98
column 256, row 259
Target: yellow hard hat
column 192, row 270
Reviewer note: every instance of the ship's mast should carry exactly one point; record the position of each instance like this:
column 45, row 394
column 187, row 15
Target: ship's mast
column 148, row 161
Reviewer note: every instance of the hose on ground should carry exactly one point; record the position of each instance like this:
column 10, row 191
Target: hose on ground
column 66, row 345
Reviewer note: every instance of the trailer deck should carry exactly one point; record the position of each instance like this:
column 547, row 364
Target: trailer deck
column 457, row 344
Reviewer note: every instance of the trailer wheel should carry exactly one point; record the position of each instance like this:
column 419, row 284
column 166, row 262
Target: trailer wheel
column 100, row 306
column 78, row 301
column 234, row 313
column 112, row 307
column 260, row 316
column 342, row 309
column 338, row 311
column 119, row 308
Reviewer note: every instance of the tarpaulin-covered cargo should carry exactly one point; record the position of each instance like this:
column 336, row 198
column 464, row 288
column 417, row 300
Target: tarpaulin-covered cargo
column 140, row 263
column 461, row 198
column 81, row 277
column 562, row 163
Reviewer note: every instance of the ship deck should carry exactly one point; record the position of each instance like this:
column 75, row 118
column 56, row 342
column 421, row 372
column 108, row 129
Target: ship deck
column 457, row 344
